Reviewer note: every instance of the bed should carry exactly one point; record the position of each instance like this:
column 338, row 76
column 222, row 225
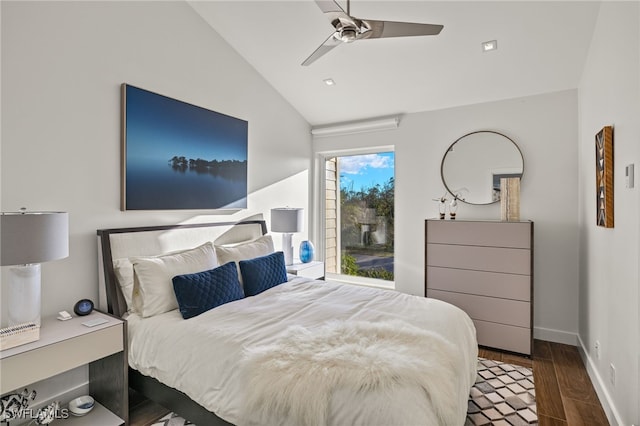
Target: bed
column 297, row 352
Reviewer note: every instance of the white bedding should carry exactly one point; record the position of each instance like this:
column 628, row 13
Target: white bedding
column 202, row 356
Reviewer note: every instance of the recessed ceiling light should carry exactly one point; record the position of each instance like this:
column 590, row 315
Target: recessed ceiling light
column 329, row 81
column 487, row 46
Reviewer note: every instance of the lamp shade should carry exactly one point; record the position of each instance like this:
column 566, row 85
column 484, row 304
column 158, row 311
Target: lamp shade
column 33, row 237
column 286, row 219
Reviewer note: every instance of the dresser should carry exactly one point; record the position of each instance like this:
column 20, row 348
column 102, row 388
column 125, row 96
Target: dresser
column 486, row 269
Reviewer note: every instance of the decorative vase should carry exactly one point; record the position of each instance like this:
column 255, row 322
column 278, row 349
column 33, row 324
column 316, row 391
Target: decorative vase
column 306, row 251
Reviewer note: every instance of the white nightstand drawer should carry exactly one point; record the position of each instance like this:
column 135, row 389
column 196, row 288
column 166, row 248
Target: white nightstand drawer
column 46, row 361
column 63, row 345
column 313, row 270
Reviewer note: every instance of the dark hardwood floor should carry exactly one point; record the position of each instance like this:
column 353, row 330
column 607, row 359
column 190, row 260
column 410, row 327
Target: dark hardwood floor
column 564, row 393
column 143, row 412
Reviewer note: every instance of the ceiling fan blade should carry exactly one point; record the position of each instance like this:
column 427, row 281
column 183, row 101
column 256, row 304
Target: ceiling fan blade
column 329, row 6
column 334, row 13
column 325, row 47
column 385, row 29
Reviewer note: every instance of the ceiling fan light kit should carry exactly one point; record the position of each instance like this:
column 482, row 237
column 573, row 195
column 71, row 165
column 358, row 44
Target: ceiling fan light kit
column 346, row 35
column 349, row 29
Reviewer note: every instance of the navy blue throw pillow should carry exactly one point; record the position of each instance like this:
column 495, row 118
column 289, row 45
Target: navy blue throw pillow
column 262, row 273
column 199, row 292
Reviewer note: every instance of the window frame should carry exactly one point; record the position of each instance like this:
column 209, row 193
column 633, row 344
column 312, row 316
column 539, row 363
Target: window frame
column 319, row 202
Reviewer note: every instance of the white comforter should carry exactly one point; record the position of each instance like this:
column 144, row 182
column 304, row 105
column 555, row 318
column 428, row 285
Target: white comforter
column 202, row 356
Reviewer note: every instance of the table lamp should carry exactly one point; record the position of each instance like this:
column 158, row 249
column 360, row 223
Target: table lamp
column 287, row 220
column 28, row 239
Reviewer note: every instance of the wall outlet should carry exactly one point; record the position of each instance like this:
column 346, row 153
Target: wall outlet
column 612, row 374
column 597, row 348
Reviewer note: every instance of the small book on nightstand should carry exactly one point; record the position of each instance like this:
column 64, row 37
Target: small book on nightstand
column 17, row 335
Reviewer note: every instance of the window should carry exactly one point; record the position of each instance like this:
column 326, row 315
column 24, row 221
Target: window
column 359, row 217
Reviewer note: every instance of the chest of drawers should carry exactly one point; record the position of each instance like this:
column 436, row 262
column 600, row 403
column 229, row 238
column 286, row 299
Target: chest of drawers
column 486, row 269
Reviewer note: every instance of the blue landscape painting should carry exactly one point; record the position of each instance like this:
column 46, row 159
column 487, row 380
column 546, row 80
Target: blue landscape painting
column 180, row 156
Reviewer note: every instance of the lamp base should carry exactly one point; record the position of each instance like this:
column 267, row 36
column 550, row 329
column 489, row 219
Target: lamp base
column 287, row 248
column 24, row 294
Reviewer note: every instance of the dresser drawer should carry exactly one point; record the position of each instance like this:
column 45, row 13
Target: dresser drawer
column 492, row 259
column 493, row 284
column 501, row 336
column 494, row 234
column 502, row 311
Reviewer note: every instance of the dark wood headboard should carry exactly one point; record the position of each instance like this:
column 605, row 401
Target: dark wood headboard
column 120, row 243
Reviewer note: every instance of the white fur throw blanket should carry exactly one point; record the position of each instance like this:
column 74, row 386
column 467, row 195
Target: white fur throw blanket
column 295, row 376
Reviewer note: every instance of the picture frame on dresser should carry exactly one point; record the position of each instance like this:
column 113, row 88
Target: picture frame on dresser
column 486, row 269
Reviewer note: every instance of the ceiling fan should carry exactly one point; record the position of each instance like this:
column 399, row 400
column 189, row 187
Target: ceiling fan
column 349, row 28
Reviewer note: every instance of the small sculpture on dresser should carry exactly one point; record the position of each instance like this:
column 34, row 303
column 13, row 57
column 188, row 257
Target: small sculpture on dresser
column 442, row 205
column 453, row 207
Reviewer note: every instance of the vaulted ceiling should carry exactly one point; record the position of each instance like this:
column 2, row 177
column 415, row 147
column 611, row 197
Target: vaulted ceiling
column 542, row 47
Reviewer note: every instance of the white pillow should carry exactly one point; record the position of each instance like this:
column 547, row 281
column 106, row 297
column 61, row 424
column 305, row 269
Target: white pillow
column 153, row 289
column 244, row 251
column 123, row 269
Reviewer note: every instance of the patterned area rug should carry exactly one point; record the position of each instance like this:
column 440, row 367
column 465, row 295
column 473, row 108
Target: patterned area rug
column 503, row 395
column 172, row 419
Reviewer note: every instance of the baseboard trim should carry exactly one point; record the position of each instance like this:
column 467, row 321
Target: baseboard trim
column 601, row 390
column 556, row 336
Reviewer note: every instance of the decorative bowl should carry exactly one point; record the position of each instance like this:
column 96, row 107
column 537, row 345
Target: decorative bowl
column 81, row 405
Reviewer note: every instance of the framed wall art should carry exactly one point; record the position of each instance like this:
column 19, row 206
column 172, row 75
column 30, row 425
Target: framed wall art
column 180, row 156
column 604, row 177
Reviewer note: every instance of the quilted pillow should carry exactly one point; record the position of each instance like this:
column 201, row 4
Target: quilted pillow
column 262, row 273
column 249, row 250
column 199, row 292
column 153, row 289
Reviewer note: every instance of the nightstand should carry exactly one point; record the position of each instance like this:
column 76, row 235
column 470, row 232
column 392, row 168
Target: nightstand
column 313, row 269
column 64, row 345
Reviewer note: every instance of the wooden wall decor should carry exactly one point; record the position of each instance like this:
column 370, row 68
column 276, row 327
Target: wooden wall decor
column 604, row 177
column 510, row 199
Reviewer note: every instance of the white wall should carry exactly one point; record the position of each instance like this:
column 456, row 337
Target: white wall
column 545, row 129
column 62, row 66
column 609, row 94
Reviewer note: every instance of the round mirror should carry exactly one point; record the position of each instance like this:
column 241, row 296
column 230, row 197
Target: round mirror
column 473, row 165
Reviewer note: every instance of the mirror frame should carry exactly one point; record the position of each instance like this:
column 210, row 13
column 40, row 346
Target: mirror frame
column 458, row 140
